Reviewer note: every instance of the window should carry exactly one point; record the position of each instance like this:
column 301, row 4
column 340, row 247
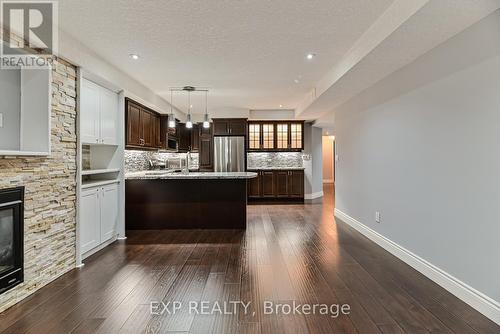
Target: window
column 282, row 135
column 268, row 136
column 254, row 136
column 296, row 135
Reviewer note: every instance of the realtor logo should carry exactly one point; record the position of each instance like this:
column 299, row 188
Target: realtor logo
column 29, row 32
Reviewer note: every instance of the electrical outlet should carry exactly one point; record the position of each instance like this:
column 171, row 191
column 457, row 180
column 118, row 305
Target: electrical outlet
column 1, row 120
column 377, row 217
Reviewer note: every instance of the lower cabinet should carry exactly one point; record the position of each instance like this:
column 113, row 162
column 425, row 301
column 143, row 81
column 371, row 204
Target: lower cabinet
column 99, row 215
column 268, row 184
column 276, row 185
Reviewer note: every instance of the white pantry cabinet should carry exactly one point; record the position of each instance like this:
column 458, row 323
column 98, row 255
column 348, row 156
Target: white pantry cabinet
column 98, row 114
column 99, row 215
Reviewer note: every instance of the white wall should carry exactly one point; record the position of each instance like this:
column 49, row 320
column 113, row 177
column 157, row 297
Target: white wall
column 35, row 128
column 10, row 108
column 327, row 159
column 428, row 159
column 313, row 164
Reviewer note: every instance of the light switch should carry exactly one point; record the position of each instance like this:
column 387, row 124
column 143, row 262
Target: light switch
column 1, row 120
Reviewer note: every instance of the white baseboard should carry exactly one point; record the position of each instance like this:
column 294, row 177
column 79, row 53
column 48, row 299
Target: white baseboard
column 479, row 301
column 328, row 181
column 314, row 195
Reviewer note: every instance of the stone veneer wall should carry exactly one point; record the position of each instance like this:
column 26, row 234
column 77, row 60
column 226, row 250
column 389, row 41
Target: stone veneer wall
column 274, row 159
column 136, row 160
column 50, row 195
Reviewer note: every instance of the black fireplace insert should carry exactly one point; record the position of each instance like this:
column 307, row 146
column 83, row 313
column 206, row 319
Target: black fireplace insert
column 11, row 237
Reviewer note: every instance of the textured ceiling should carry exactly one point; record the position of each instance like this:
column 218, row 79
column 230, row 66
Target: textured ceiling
column 417, row 35
column 247, row 52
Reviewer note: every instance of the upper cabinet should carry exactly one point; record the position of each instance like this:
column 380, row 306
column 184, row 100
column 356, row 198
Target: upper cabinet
column 275, row 135
column 143, row 127
column 188, row 139
column 230, row 126
column 206, row 149
column 98, row 114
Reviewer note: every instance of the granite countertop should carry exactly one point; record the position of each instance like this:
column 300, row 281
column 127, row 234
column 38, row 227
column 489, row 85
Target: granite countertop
column 276, row 168
column 149, row 175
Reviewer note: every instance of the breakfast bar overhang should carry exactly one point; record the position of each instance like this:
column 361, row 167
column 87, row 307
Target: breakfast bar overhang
column 211, row 200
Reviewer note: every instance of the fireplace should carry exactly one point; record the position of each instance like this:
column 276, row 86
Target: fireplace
column 11, row 237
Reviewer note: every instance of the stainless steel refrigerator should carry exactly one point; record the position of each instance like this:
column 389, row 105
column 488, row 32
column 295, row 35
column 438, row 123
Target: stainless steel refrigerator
column 229, row 154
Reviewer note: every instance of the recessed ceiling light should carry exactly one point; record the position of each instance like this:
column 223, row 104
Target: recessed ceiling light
column 310, row 56
column 281, row 106
column 134, row 56
column 296, row 81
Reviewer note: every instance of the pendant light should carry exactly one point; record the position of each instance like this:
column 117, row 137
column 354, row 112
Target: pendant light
column 171, row 116
column 206, row 122
column 189, row 123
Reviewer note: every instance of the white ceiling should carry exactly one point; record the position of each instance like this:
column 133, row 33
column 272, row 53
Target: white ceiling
column 247, row 52
column 401, row 40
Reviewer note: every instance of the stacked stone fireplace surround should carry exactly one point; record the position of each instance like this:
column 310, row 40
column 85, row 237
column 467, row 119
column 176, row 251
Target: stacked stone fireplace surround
column 50, row 195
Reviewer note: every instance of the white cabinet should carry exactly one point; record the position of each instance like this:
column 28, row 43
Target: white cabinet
column 89, row 219
column 109, row 117
column 99, row 215
column 89, row 112
column 98, row 114
column 109, row 211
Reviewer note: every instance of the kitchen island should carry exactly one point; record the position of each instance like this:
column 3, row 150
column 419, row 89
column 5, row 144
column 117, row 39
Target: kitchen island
column 209, row 200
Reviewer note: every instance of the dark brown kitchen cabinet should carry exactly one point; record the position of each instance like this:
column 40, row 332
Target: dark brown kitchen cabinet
column 134, row 127
column 148, row 126
column 157, row 135
column 281, row 184
column 141, row 126
column 195, row 138
column 272, row 185
column 266, row 136
column 230, row 126
column 188, row 138
column 184, row 137
column 254, row 187
column 268, row 185
column 206, row 149
column 296, row 184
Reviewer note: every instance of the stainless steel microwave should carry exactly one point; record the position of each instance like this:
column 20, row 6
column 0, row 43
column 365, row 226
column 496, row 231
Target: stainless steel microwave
column 172, row 144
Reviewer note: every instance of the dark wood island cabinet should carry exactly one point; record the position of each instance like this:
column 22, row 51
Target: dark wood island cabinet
column 186, row 201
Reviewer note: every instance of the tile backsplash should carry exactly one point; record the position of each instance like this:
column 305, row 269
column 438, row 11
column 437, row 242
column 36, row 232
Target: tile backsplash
column 274, row 159
column 139, row 160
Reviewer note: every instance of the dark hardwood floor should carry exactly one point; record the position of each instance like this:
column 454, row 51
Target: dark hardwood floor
column 288, row 253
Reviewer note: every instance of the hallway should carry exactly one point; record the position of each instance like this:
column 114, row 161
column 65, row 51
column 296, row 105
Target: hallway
column 288, row 253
